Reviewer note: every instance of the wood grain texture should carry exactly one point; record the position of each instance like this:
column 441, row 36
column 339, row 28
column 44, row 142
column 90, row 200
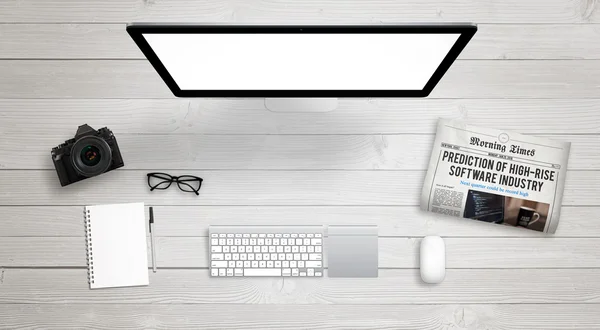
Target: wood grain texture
column 195, row 286
column 281, row 11
column 29, row 150
column 111, row 41
column 55, row 117
column 394, row 188
column 191, row 252
column 425, row 317
column 571, row 79
column 393, row 221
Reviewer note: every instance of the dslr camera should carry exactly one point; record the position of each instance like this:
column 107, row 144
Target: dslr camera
column 90, row 153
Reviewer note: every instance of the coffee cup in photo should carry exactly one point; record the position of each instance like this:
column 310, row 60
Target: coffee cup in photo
column 527, row 216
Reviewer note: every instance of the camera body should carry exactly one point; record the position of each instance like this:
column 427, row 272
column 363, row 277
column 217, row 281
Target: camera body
column 90, row 153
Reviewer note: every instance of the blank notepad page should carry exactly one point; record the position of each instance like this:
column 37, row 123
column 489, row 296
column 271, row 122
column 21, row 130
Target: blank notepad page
column 116, row 245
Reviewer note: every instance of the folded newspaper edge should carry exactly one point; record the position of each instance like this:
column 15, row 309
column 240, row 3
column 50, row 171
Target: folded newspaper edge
column 495, row 176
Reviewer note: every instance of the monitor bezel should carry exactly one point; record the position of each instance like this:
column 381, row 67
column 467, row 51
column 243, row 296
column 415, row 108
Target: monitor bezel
column 466, row 31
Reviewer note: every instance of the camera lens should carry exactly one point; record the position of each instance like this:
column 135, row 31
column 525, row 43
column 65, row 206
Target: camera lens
column 90, row 155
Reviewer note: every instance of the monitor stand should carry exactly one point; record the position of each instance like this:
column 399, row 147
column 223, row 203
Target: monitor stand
column 301, row 104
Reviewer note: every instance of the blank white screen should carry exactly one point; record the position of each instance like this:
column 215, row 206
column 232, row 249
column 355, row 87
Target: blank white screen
column 301, row 61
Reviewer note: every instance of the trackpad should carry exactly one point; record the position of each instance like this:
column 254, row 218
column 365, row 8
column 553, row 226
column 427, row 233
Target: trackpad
column 352, row 251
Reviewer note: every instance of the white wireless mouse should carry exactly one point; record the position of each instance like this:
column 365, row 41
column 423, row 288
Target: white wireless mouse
column 433, row 259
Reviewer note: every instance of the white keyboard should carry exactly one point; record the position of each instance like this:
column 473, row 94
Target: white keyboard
column 266, row 251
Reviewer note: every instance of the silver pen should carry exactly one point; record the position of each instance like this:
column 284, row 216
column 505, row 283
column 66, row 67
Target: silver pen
column 152, row 240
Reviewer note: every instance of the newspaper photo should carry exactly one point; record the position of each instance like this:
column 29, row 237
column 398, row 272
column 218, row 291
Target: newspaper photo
column 495, row 176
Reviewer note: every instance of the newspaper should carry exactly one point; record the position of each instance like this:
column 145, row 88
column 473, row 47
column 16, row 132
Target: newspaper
column 495, row 176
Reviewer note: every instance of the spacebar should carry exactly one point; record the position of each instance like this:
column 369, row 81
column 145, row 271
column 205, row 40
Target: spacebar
column 262, row 272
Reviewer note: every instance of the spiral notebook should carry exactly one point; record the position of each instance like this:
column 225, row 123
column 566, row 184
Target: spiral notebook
column 116, row 245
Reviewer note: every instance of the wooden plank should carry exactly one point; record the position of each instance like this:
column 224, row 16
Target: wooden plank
column 249, row 116
column 392, row 188
column 267, row 152
column 137, row 79
column 426, row 317
column 282, row 12
column 191, row 252
column 395, row 221
column 110, row 41
column 189, row 286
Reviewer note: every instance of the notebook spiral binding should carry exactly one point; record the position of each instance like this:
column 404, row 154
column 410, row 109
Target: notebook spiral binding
column 88, row 241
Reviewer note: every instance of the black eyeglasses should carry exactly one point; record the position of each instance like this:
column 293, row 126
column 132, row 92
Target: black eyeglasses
column 162, row 181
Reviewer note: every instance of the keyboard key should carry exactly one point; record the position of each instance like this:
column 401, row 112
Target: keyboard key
column 303, row 274
column 316, row 241
column 299, row 241
column 273, row 256
column 293, row 235
column 289, row 256
column 243, row 256
column 221, row 241
column 230, row 241
column 239, row 264
column 229, row 271
column 227, row 256
column 253, row 241
column 318, row 274
column 214, row 271
column 281, row 256
column 246, row 235
column 315, row 256
column 254, row 235
column 284, row 241
column 222, row 235
column 318, row 249
column 270, row 235
column 250, row 256
column 234, row 249
column 226, row 249
column 271, row 249
column 258, row 256
column 306, row 241
column 214, row 235
column 262, row 235
column 231, row 264
column 286, row 235
column 318, row 235
column 235, row 256
column 241, row 249
column 264, row 249
column 303, row 249
column 296, row 256
column 279, row 249
column 310, row 249
column 278, row 235
column 268, row 241
column 238, row 272
column 295, row 272
column 218, row 264
column 293, row 264
column 254, row 264
column 287, row 272
column 247, row 264
column 217, row 256
column 256, row 249
column 276, row 241
column 261, row 241
column 214, row 241
column 269, row 264
column 238, row 241
column 285, row 264
column 266, row 256
column 304, row 256
column 222, row 272
column 262, row 264
column 238, row 235
column 245, row 241
column 300, row 264
column 277, row 264
column 287, row 249
column 310, row 235
column 216, row 249
column 302, row 235
column 310, row 272
column 262, row 272
column 295, row 249
column 230, row 235
column 314, row 264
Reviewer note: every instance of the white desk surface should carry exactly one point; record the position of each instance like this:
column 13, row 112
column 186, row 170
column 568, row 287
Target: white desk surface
column 533, row 67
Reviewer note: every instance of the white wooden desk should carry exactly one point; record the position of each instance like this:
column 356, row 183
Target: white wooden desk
column 533, row 67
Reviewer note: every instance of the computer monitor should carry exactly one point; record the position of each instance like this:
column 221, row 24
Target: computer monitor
column 310, row 64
